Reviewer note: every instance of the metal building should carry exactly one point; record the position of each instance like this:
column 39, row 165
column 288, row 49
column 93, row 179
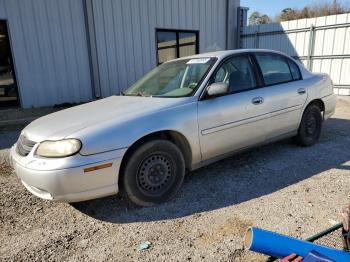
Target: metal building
column 72, row 51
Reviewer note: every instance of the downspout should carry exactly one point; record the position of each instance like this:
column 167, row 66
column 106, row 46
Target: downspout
column 227, row 21
column 92, row 48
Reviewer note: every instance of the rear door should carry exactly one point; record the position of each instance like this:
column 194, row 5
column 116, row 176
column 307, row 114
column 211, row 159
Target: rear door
column 285, row 92
column 238, row 119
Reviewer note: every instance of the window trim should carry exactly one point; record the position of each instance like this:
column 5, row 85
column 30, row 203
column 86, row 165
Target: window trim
column 259, row 84
column 284, row 58
column 298, row 68
column 177, row 45
column 257, row 70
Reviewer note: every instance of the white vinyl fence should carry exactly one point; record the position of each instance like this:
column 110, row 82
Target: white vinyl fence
column 322, row 44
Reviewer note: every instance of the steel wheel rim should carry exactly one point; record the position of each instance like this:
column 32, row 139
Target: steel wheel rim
column 155, row 174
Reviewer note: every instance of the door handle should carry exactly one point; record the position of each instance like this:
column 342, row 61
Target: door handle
column 257, row 100
column 301, row 91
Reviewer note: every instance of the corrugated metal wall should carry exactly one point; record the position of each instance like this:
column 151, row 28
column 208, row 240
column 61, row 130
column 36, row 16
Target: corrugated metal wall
column 328, row 51
column 49, row 45
column 125, row 34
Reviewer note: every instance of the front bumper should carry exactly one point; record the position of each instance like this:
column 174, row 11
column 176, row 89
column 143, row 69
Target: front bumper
column 66, row 181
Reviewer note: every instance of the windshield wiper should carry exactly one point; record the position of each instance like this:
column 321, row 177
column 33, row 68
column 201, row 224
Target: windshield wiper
column 136, row 94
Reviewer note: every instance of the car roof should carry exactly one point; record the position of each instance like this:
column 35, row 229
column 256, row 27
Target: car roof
column 225, row 53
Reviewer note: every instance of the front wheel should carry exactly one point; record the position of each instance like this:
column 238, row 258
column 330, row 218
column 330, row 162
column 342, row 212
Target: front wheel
column 310, row 127
column 153, row 173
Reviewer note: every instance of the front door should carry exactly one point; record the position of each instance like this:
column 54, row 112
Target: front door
column 238, row 119
column 8, row 87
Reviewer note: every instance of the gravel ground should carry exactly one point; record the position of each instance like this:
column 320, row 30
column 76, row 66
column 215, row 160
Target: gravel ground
column 280, row 187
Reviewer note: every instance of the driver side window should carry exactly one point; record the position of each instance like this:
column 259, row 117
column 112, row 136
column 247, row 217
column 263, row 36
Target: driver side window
column 237, row 73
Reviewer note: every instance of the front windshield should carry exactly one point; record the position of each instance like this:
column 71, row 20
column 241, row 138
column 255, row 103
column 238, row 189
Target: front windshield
column 173, row 79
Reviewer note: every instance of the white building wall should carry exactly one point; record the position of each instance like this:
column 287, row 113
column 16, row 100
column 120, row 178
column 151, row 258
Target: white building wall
column 49, row 46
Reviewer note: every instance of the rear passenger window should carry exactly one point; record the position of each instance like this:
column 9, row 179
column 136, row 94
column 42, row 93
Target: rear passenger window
column 274, row 68
column 295, row 70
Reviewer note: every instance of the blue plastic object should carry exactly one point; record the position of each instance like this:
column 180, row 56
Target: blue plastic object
column 277, row 245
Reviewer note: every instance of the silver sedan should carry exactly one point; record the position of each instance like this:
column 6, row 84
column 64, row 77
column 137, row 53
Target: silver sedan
column 184, row 114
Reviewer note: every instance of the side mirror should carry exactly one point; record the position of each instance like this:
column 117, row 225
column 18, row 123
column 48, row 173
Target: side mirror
column 217, row 89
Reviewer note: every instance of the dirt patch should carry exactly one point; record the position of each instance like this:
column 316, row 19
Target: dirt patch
column 231, row 227
column 5, row 169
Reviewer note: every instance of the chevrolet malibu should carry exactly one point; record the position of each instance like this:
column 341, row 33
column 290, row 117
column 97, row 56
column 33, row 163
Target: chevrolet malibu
column 183, row 115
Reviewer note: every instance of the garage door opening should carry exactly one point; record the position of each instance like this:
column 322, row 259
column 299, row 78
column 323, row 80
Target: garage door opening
column 8, row 86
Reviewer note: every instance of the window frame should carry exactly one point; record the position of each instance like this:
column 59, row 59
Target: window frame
column 257, row 71
column 249, row 55
column 177, row 45
column 290, row 61
column 285, row 59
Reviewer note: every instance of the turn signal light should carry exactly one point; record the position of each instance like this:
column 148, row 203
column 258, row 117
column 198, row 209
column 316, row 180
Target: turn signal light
column 94, row 168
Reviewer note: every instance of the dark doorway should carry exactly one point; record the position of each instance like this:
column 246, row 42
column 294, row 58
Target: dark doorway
column 8, row 86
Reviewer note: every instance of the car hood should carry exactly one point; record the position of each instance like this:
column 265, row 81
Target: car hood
column 115, row 108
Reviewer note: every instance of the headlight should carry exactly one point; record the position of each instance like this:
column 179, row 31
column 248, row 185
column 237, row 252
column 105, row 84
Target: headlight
column 60, row 148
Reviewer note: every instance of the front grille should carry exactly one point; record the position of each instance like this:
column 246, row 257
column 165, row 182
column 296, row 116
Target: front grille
column 24, row 146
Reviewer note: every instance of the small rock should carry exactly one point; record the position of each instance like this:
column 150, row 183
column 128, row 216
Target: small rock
column 39, row 209
column 144, row 246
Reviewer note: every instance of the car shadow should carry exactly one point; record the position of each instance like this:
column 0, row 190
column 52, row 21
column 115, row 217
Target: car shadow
column 255, row 173
column 8, row 138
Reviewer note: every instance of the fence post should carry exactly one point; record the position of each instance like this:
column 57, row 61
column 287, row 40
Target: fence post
column 256, row 39
column 311, row 47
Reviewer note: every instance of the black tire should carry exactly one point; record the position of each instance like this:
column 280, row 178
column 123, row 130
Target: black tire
column 153, row 173
column 310, row 127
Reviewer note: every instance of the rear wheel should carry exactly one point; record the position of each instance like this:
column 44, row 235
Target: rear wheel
column 310, row 127
column 153, row 173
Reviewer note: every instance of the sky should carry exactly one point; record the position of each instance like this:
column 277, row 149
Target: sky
column 274, row 7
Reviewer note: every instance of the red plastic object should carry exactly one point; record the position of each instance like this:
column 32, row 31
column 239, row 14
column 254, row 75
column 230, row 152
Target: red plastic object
column 292, row 258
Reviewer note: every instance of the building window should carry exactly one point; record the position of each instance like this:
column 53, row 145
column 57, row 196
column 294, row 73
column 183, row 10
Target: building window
column 173, row 44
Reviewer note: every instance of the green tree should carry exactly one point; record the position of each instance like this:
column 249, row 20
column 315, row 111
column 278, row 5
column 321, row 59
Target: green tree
column 288, row 14
column 265, row 19
column 314, row 10
column 256, row 19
